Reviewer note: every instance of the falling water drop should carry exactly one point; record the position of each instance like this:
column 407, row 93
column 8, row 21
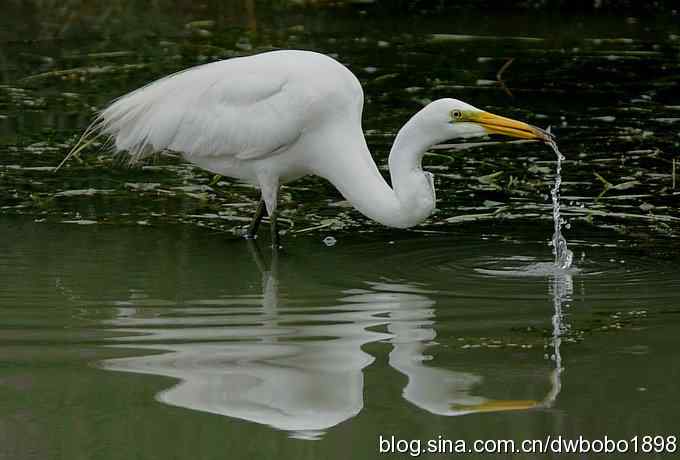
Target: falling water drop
column 563, row 256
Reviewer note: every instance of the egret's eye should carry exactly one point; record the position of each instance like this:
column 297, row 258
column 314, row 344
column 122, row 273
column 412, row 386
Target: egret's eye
column 456, row 115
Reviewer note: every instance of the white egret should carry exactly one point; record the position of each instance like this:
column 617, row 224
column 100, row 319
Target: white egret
column 274, row 117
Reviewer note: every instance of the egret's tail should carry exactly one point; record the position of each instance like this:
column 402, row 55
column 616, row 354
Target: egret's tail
column 133, row 122
column 121, row 123
column 86, row 139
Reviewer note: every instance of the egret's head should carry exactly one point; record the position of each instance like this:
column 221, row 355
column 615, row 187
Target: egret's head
column 457, row 119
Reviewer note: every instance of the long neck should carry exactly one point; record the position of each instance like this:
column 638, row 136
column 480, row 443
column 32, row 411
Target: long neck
column 405, row 162
column 351, row 169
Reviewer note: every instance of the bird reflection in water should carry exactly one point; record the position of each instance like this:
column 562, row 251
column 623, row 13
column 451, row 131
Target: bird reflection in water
column 300, row 369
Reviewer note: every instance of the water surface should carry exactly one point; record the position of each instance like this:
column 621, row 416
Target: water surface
column 113, row 337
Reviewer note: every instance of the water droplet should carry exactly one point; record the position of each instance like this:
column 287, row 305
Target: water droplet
column 563, row 256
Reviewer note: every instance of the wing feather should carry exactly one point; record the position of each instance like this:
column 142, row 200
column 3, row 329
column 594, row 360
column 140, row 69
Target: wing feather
column 240, row 107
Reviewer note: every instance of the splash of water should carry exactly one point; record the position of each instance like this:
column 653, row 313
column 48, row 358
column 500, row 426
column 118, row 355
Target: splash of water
column 563, row 256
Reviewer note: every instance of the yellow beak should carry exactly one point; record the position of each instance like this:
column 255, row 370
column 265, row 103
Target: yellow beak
column 496, row 124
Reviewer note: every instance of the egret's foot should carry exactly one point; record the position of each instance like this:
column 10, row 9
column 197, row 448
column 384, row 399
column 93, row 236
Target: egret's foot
column 276, row 240
column 243, row 231
column 277, row 244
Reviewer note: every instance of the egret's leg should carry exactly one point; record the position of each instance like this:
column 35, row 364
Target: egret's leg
column 251, row 233
column 270, row 194
column 276, row 239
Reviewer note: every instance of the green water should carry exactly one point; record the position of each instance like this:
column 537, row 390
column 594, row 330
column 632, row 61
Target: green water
column 134, row 324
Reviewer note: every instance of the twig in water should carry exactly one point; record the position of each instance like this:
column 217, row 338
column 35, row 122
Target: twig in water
column 499, row 76
column 81, row 71
column 316, row 227
column 216, row 178
column 606, row 183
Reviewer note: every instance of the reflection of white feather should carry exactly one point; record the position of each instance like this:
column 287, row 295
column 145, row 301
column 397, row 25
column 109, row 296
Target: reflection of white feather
column 278, row 375
column 293, row 387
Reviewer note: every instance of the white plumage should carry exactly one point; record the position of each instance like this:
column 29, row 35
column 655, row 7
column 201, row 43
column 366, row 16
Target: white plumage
column 216, row 109
column 274, row 117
